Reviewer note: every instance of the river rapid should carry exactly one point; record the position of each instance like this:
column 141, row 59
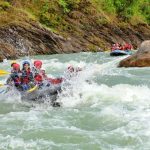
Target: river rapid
column 105, row 108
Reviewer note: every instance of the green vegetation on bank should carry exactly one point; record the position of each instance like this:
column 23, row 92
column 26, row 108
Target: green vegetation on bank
column 54, row 13
column 80, row 18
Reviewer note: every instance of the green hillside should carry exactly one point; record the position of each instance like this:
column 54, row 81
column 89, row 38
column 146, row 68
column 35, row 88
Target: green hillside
column 85, row 24
column 55, row 14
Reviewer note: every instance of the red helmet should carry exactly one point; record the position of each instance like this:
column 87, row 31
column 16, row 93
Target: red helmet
column 16, row 66
column 37, row 63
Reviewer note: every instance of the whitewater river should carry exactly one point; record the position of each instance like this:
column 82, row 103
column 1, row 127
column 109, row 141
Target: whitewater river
column 105, row 108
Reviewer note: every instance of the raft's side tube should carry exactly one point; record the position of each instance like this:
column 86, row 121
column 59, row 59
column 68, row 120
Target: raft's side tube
column 51, row 92
column 120, row 53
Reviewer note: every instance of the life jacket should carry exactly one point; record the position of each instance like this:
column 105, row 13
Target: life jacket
column 27, row 76
column 38, row 78
column 16, row 77
column 39, row 75
column 127, row 46
column 116, row 47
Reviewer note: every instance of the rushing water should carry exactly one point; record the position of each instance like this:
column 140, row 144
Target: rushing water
column 106, row 108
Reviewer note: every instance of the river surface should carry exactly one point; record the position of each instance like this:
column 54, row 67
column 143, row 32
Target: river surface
column 106, row 108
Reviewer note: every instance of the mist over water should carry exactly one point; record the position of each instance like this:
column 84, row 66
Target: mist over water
column 104, row 107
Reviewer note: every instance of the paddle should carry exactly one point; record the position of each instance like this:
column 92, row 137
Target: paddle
column 28, row 91
column 32, row 89
column 3, row 72
column 2, row 84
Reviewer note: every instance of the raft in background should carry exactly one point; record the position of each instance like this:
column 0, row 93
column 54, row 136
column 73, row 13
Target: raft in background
column 120, row 52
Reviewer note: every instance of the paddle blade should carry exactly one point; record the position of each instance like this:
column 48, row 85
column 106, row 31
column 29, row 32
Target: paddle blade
column 1, row 84
column 33, row 89
column 3, row 72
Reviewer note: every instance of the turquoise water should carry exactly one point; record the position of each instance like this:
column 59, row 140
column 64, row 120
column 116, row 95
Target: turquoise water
column 106, row 108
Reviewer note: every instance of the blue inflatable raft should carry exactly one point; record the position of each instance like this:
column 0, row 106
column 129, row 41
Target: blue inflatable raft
column 120, row 52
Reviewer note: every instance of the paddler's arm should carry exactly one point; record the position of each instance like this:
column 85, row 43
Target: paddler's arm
column 9, row 81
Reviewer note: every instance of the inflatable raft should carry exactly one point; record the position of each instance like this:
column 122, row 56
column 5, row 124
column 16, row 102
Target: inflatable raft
column 49, row 93
column 39, row 93
column 120, row 52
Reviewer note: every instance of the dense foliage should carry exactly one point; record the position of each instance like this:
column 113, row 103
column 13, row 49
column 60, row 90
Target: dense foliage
column 54, row 13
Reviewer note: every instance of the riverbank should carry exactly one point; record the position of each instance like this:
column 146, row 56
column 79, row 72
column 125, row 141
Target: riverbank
column 51, row 28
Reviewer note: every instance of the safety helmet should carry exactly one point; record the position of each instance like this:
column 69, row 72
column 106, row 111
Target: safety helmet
column 37, row 63
column 16, row 66
column 25, row 62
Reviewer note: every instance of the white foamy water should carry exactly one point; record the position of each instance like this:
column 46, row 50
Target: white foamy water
column 103, row 107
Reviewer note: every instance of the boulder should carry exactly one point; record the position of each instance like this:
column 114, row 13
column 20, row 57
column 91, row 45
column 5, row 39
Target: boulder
column 21, row 40
column 140, row 59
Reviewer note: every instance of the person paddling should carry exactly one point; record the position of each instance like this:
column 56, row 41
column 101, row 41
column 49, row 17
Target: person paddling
column 27, row 79
column 15, row 76
column 127, row 47
column 40, row 75
column 71, row 72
